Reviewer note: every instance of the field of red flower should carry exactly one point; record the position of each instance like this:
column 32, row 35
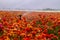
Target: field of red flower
column 41, row 26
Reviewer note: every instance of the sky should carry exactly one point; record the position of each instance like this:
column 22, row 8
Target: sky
column 29, row 4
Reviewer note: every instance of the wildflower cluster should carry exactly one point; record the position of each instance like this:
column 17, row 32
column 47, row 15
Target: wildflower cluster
column 45, row 28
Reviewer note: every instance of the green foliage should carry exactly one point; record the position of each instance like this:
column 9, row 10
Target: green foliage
column 20, row 38
column 49, row 23
column 58, row 37
column 41, row 26
column 56, row 30
column 39, row 22
column 11, row 37
column 1, row 32
column 54, row 39
column 50, row 31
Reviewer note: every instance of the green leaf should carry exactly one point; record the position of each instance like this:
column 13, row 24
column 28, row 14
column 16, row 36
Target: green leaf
column 49, row 23
column 54, row 39
column 1, row 32
column 56, row 30
column 57, row 27
column 11, row 37
column 42, row 26
column 39, row 22
column 50, row 31
column 20, row 38
column 58, row 37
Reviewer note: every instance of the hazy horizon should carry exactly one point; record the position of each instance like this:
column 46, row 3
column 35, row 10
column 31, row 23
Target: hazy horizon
column 29, row 4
